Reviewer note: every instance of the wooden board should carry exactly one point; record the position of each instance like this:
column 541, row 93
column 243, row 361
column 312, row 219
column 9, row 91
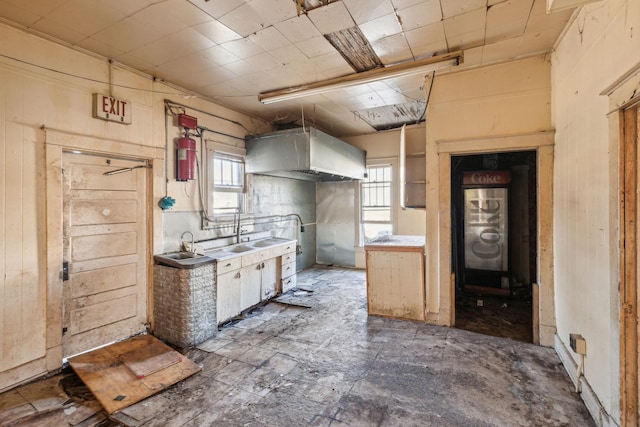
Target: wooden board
column 116, row 386
column 150, row 359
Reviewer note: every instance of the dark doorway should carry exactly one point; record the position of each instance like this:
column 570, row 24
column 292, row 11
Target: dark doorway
column 494, row 256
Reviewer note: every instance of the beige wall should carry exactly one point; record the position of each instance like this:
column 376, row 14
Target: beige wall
column 599, row 47
column 31, row 97
column 495, row 108
column 385, row 146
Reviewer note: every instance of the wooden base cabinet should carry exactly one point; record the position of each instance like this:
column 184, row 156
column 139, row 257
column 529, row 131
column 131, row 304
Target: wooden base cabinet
column 395, row 281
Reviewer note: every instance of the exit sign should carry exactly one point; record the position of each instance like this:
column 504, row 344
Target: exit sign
column 112, row 109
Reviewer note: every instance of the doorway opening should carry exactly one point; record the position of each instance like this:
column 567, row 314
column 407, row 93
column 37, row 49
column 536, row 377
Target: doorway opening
column 494, row 249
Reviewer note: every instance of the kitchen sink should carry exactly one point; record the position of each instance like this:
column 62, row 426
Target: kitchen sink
column 182, row 259
column 240, row 249
column 182, row 255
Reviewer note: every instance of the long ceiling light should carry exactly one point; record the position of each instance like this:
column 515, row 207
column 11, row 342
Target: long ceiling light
column 400, row 70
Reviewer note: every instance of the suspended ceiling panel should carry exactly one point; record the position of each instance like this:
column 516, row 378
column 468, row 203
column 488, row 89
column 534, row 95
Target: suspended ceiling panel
column 232, row 50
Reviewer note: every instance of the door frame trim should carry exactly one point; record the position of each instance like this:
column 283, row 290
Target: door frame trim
column 628, row 273
column 440, row 308
column 56, row 143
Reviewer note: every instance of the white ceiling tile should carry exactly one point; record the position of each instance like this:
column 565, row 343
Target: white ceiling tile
column 185, row 12
column 243, row 48
column 331, row 61
column 467, row 30
column 127, row 35
column 216, row 9
column 60, row 31
column 244, row 20
column 392, row 49
column 134, row 60
column 274, row 10
column 298, row 29
column 186, row 41
column 331, row 18
column 269, row 38
column 427, row 41
column 219, row 55
column 507, row 19
column 403, row 4
column 370, row 100
column 288, row 54
column 495, row 51
column 164, row 19
column 543, row 22
column 382, row 27
column 419, row 15
column 189, row 64
column 17, row 11
column 392, row 97
column 85, row 17
column 367, row 10
column 263, row 62
column 41, row 8
column 108, row 51
column 217, row 32
column 315, row 46
column 239, row 67
column 452, row 8
column 211, row 76
column 130, row 7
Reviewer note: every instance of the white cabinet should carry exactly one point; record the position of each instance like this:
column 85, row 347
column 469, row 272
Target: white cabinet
column 250, row 282
column 246, row 280
column 228, row 298
column 269, row 279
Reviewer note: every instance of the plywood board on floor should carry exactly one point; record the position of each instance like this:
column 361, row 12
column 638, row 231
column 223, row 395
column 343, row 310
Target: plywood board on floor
column 116, row 386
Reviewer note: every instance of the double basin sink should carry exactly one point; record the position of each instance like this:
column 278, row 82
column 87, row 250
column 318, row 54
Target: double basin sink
column 192, row 260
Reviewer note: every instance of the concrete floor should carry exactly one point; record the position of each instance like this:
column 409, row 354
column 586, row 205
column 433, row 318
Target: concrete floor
column 331, row 365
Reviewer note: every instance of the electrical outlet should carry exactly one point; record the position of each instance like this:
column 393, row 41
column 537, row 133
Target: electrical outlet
column 578, row 343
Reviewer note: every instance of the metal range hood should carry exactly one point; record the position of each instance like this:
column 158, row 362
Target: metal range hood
column 304, row 153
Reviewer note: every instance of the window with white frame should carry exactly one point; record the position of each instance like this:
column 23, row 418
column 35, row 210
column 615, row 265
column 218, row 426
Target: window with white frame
column 226, row 183
column 376, row 218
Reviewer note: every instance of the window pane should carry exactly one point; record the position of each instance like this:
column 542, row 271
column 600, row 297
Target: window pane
column 228, row 172
column 225, row 202
column 376, row 197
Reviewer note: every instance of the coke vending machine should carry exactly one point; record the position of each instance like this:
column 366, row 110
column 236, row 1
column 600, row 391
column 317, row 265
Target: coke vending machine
column 486, row 217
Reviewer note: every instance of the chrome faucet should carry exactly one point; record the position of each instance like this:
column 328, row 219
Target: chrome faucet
column 193, row 242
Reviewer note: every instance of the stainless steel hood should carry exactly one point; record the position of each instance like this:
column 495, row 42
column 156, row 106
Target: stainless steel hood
column 307, row 154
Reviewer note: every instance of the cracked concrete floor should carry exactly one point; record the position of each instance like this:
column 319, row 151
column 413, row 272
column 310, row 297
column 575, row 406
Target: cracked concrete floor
column 332, row 365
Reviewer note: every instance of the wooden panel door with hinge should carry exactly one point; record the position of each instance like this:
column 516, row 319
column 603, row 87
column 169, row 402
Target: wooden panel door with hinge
column 105, row 246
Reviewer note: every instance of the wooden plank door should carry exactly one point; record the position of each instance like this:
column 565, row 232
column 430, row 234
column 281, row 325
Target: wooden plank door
column 105, row 245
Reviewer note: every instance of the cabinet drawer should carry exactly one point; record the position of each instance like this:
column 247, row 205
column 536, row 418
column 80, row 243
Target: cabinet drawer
column 226, row 265
column 288, row 269
column 287, row 258
column 289, row 283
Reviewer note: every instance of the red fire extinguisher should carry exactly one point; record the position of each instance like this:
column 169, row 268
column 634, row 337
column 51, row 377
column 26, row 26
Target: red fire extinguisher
column 186, row 159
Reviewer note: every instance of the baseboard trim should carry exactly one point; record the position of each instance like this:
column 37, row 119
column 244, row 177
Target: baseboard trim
column 588, row 396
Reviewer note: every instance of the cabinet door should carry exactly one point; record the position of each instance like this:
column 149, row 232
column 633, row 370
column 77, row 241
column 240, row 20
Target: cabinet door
column 250, row 279
column 228, row 300
column 270, row 282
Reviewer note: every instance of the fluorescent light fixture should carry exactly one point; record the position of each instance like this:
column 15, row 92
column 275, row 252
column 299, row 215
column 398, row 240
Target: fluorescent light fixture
column 399, row 70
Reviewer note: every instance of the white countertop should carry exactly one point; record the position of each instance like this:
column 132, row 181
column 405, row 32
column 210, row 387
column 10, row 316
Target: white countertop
column 397, row 241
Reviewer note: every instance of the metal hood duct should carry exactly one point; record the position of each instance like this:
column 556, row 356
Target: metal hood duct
column 307, row 154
